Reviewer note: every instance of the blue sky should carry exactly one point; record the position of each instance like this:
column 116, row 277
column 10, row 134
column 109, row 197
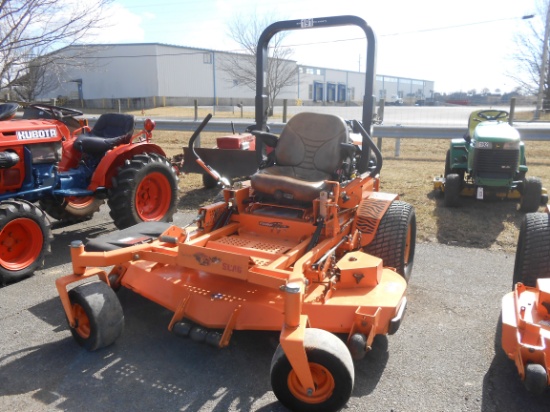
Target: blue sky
column 460, row 45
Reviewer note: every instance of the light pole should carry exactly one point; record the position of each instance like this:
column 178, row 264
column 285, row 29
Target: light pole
column 544, row 63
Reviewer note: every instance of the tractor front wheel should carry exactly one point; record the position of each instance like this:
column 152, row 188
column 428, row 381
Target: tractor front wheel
column 25, row 239
column 533, row 250
column 531, row 195
column 331, row 366
column 451, row 193
column 98, row 315
column 71, row 209
column 144, row 190
column 395, row 240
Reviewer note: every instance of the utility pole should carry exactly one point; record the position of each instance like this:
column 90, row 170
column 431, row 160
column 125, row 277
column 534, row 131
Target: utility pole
column 544, row 64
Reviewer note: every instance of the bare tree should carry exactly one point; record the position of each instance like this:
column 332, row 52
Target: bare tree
column 240, row 68
column 31, row 29
column 529, row 54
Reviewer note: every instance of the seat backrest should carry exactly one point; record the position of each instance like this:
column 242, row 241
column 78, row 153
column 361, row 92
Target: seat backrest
column 114, row 125
column 311, row 141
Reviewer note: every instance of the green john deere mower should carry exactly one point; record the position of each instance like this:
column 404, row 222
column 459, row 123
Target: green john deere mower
column 489, row 162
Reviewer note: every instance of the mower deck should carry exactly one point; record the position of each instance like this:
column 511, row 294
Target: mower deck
column 526, row 332
column 201, row 279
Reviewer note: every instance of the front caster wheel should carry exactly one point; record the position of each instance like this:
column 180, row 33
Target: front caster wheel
column 331, row 366
column 98, row 315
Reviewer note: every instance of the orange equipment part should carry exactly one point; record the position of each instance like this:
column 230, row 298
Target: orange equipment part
column 526, row 332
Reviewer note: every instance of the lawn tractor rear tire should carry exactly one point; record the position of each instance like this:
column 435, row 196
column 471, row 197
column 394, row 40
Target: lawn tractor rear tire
column 98, row 314
column 533, row 250
column 144, row 190
column 395, row 240
column 71, row 209
column 531, row 195
column 451, row 193
column 332, row 369
column 25, row 239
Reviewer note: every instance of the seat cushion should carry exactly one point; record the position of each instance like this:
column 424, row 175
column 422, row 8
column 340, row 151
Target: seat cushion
column 284, row 183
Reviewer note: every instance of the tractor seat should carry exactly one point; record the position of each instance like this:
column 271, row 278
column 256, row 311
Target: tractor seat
column 308, row 152
column 110, row 130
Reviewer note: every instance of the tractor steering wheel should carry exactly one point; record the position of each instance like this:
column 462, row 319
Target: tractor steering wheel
column 489, row 114
column 56, row 112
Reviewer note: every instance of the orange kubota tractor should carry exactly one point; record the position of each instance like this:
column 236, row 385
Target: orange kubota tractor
column 309, row 247
column 526, row 310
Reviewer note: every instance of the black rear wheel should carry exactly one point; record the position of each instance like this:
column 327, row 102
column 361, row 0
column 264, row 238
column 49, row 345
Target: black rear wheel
column 395, row 240
column 533, row 250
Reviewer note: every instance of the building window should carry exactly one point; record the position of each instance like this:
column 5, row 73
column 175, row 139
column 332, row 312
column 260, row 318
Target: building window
column 235, row 82
column 207, row 58
column 310, row 92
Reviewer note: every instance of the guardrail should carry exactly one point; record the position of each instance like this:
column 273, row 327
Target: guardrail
column 527, row 131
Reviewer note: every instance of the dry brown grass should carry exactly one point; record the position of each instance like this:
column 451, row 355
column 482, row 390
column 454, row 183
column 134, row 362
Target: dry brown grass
column 480, row 224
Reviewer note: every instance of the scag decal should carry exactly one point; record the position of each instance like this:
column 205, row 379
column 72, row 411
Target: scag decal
column 36, row 134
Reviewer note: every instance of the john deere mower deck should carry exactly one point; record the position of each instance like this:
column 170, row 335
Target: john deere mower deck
column 308, row 247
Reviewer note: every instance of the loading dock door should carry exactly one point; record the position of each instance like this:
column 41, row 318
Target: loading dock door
column 341, row 92
column 331, row 92
column 318, row 89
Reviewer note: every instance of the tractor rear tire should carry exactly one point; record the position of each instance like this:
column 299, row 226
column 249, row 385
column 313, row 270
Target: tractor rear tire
column 531, row 195
column 71, row 209
column 144, row 190
column 25, row 239
column 331, row 366
column 451, row 193
column 533, row 250
column 395, row 240
column 98, row 315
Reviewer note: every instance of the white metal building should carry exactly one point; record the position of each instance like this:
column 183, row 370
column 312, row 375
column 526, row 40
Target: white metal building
column 174, row 75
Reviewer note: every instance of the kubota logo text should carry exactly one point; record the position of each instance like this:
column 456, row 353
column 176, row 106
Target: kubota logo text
column 36, row 134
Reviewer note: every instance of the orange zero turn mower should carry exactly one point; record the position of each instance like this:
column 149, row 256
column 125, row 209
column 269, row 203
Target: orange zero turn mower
column 308, row 247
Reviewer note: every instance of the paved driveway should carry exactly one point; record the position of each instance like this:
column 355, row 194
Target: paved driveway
column 445, row 357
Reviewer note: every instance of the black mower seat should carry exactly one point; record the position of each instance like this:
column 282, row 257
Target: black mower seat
column 110, row 130
column 141, row 233
column 308, row 152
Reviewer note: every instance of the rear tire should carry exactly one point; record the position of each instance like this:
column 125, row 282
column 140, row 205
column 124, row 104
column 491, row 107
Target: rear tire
column 531, row 195
column 533, row 250
column 25, row 239
column 98, row 315
column 71, row 209
column 395, row 240
column 144, row 190
column 332, row 369
column 451, row 193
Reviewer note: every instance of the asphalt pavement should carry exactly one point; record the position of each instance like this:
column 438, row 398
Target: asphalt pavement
column 445, row 357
